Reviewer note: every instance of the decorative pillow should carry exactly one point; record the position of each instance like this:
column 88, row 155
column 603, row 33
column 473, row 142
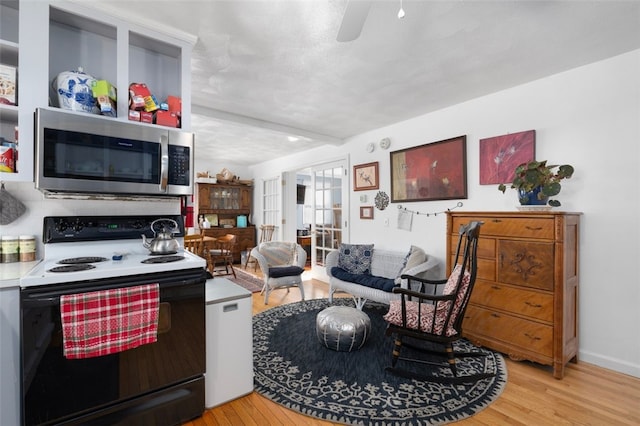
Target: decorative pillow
column 416, row 257
column 424, row 321
column 355, row 258
column 285, row 271
column 404, row 264
column 371, row 281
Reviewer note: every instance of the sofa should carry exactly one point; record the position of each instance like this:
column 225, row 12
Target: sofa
column 375, row 280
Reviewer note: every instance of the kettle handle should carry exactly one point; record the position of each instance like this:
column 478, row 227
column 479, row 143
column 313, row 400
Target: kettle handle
column 174, row 230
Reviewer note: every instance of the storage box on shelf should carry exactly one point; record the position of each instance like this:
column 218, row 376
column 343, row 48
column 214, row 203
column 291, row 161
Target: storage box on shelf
column 227, row 202
column 525, row 301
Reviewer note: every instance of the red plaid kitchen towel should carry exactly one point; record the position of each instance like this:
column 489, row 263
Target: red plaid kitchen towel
column 104, row 322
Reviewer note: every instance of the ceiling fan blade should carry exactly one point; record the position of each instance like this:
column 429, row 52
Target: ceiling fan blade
column 355, row 14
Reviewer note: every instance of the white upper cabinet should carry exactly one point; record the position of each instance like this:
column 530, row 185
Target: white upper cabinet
column 105, row 46
column 8, row 70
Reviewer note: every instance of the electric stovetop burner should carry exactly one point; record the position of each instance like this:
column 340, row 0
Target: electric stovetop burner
column 81, row 260
column 72, row 268
column 163, row 259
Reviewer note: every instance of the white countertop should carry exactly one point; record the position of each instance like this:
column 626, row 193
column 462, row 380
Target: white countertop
column 219, row 290
column 10, row 273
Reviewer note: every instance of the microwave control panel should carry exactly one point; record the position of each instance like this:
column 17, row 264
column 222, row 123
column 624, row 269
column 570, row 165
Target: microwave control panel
column 179, row 172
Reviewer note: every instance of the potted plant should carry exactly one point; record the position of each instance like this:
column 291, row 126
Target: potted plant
column 536, row 182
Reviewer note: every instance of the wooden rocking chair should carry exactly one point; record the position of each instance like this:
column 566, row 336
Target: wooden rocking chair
column 430, row 313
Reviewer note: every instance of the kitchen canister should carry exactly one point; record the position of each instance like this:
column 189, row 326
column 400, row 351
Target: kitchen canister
column 74, row 90
column 27, row 248
column 9, row 249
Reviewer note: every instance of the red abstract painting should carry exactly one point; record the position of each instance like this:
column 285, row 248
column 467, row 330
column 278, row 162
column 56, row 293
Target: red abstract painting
column 435, row 171
column 500, row 155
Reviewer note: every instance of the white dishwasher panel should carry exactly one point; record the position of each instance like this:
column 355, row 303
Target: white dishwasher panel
column 229, row 372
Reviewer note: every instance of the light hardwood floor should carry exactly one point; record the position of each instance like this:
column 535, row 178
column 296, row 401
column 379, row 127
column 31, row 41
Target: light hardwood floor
column 588, row 395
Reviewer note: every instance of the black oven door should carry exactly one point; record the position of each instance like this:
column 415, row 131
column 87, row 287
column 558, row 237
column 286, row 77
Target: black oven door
column 157, row 383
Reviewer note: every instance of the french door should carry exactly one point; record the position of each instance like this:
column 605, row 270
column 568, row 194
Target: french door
column 329, row 227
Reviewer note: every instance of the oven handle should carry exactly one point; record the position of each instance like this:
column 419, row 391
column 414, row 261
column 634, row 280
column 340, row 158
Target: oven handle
column 40, row 302
column 52, row 298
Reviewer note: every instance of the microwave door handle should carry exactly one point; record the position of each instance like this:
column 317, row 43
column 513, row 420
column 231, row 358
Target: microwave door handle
column 164, row 162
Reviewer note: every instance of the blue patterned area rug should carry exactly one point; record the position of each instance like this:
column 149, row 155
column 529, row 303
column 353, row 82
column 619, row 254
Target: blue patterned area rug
column 294, row 369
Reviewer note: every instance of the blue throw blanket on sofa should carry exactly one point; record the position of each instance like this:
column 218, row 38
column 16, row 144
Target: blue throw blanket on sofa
column 380, row 283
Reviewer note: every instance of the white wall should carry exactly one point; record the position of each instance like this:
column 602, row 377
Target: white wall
column 588, row 117
column 30, row 223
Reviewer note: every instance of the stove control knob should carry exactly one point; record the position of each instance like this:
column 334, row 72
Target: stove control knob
column 61, row 226
column 138, row 224
column 78, row 226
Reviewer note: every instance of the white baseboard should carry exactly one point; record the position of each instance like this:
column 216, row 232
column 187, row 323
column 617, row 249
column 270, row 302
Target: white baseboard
column 615, row 364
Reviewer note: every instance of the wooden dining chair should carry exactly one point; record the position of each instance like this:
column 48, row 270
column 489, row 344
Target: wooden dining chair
column 222, row 254
column 266, row 234
column 194, row 244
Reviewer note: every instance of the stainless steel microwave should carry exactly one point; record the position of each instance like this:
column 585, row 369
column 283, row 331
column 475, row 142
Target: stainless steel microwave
column 85, row 154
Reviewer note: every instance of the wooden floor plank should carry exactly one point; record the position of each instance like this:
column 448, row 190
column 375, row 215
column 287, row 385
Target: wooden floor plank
column 588, row 395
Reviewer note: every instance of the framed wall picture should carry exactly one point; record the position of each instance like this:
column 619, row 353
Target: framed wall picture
column 366, row 212
column 365, row 177
column 500, row 155
column 434, row 171
column 212, row 218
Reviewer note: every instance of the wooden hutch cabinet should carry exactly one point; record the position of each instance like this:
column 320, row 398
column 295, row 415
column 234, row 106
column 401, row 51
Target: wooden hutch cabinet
column 525, row 300
column 227, row 202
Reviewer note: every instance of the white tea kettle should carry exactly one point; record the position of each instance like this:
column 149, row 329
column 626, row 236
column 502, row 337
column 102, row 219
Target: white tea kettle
column 163, row 243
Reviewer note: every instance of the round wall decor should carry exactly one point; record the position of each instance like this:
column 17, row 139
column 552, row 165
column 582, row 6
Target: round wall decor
column 382, row 200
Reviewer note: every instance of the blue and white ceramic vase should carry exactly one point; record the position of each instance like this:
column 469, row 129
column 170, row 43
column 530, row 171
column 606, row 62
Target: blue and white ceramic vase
column 74, row 89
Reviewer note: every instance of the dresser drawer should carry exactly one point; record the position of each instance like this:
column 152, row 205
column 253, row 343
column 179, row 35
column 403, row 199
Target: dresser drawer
column 530, row 336
column 522, row 227
column 519, row 301
column 486, row 268
column 486, row 246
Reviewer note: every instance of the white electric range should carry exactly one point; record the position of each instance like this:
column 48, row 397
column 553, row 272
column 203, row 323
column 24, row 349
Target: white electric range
column 101, row 253
column 95, row 247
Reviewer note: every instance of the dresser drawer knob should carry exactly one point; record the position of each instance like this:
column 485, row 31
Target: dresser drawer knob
column 496, row 287
column 532, row 337
column 533, row 305
column 531, row 228
column 493, row 314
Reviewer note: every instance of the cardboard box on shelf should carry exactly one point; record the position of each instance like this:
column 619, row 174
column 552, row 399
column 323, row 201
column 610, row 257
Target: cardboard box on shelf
column 134, row 115
column 137, row 94
column 7, row 163
column 104, row 88
column 167, row 118
column 146, row 117
column 175, row 104
column 8, row 84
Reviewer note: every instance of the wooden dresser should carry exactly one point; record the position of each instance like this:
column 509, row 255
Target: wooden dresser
column 525, row 301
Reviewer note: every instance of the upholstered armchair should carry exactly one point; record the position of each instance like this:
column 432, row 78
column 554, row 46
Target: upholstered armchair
column 282, row 264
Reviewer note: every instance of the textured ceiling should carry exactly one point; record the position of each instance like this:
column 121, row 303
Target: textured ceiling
column 263, row 71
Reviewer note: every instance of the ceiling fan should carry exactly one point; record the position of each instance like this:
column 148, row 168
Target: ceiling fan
column 355, row 14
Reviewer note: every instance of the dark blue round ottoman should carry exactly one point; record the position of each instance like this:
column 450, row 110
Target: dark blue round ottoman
column 342, row 328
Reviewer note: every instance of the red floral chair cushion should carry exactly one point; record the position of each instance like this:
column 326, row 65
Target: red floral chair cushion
column 424, row 320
